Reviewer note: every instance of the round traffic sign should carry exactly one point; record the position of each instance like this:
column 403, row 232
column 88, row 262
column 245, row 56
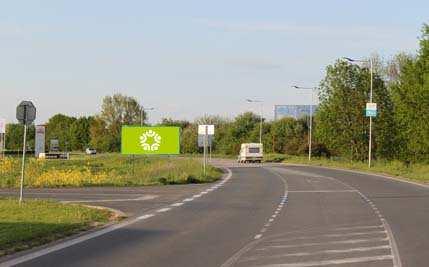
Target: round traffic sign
column 26, row 112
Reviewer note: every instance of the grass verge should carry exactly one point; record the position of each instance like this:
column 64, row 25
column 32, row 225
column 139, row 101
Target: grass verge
column 106, row 170
column 417, row 172
column 38, row 222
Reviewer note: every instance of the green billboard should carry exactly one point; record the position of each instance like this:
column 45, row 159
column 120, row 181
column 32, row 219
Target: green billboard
column 150, row 140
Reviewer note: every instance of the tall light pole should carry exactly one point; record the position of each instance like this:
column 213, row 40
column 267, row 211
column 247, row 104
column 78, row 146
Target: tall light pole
column 370, row 61
column 260, row 115
column 310, row 128
column 142, row 110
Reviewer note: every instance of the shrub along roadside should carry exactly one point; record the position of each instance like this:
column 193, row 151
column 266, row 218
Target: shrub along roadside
column 37, row 222
column 417, row 172
column 106, row 170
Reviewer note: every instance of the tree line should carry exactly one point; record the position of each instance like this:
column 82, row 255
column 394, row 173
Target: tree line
column 401, row 128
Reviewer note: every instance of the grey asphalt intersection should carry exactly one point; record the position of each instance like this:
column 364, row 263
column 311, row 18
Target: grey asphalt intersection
column 259, row 215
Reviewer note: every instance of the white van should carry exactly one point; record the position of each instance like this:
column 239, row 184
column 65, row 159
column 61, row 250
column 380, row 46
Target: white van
column 251, row 152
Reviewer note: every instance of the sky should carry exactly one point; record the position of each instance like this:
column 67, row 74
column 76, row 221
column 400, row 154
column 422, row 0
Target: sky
column 188, row 58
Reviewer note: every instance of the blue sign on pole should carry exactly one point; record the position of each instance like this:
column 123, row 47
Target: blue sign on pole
column 371, row 113
column 371, row 110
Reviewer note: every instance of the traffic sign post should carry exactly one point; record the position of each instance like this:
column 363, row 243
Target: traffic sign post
column 25, row 114
column 205, row 139
column 2, row 136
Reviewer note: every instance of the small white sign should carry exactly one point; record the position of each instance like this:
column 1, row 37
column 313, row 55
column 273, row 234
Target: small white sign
column 2, row 126
column 202, row 129
column 371, row 106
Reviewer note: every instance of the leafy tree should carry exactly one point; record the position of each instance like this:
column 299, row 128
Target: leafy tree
column 15, row 136
column 342, row 126
column 411, row 98
column 80, row 133
column 100, row 138
column 178, row 123
column 188, row 139
column 119, row 110
column 289, row 135
column 59, row 127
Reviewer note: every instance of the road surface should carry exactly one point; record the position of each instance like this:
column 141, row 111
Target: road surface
column 260, row 215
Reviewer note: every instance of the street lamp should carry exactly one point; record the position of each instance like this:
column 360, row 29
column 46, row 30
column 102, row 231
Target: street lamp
column 260, row 123
column 142, row 110
column 370, row 61
column 310, row 129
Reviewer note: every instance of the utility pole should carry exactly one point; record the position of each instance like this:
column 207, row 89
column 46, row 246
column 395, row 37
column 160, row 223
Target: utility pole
column 260, row 115
column 370, row 61
column 310, row 128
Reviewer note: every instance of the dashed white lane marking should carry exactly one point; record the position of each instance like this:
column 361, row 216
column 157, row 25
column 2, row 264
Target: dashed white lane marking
column 188, row 199
column 86, row 237
column 333, row 262
column 146, row 216
column 319, row 252
column 283, row 201
column 163, row 210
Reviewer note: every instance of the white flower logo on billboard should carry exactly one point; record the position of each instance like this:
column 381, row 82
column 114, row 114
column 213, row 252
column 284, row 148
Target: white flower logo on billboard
column 150, row 141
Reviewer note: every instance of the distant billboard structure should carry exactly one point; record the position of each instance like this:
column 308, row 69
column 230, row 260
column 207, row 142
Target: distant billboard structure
column 292, row 111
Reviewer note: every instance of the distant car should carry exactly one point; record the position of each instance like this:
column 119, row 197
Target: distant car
column 90, row 151
column 251, row 152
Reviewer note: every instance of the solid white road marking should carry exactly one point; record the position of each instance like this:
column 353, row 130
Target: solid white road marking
column 333, row 262
column 148, row 197
column 351, row 241
column 320, row 252
column 329, row 235
column 177, row 204
column 358, row 227
column 323, row 191
column 188, row 199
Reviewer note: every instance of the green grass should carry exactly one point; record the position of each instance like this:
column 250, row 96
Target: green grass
column 106, row 170
column 37, row 222
column 418, row 172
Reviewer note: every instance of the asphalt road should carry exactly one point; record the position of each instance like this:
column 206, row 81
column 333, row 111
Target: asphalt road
column 260, row 215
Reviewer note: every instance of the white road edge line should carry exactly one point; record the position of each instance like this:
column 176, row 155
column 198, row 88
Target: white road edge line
column 110, row 200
